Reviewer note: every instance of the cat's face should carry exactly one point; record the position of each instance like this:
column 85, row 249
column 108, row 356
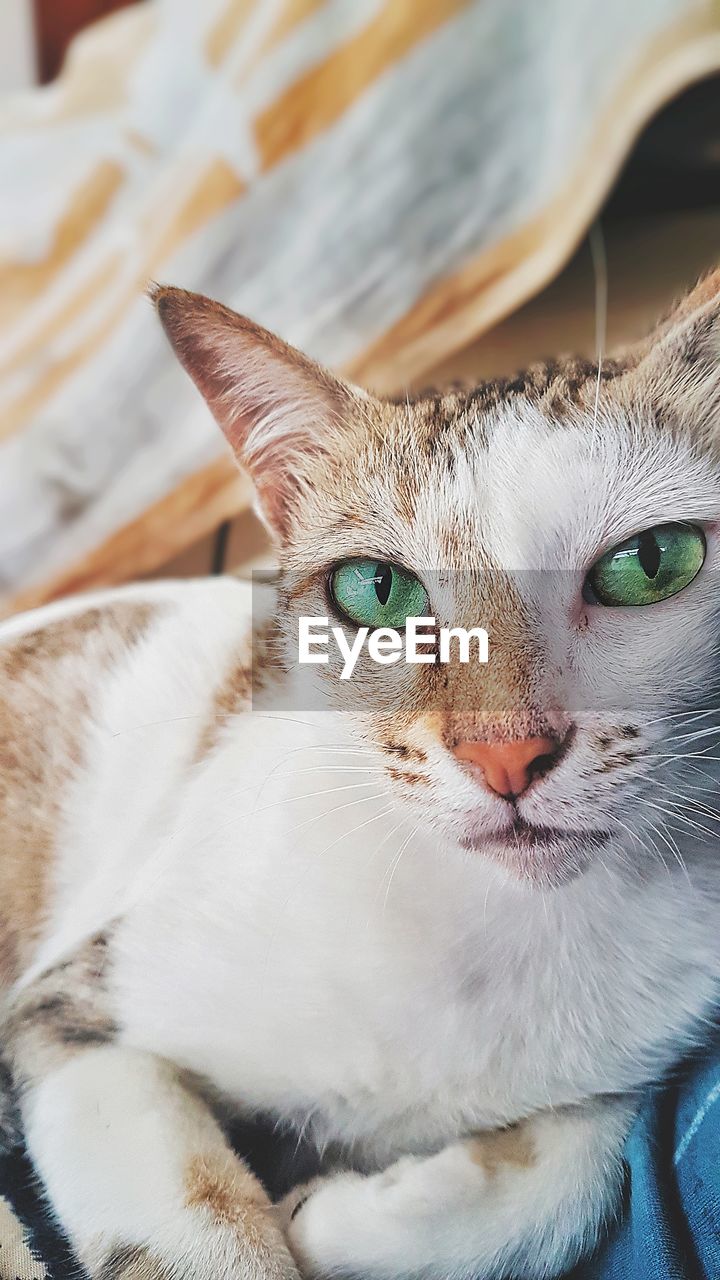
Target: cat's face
column 514, row 508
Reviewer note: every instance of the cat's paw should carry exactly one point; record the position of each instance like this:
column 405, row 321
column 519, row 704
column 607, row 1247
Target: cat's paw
column 250, row 1252
column 396, row 1224
column 329, row 1224
column 131, row 1263
column 287, row 1209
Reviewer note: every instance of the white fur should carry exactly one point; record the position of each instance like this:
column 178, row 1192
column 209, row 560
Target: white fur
column 289, row 930
column 123, row 1117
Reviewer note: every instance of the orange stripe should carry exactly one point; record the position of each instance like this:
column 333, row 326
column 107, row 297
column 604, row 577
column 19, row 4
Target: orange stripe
column 222, row 36
column 214, row 190
column 196, row 506
column 461, row 306
column 294, row 12
column 22, row 283
column 400, row 25
column 491, row 286
column 317, row 100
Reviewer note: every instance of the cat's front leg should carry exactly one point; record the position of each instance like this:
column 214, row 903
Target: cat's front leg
column 523, row 1201
column 133, row 1162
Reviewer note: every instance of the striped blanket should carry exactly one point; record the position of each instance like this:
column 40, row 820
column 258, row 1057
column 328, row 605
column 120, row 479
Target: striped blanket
column 377, row 180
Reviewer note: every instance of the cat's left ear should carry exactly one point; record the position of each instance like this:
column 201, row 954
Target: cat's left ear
column 281, row 413
column 678, row 366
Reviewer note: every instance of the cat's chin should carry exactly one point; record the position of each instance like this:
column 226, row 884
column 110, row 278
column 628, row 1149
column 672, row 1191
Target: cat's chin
column 541, row 856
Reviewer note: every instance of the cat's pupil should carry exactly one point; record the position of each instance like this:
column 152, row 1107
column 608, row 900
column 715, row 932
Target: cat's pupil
column 383, row 582
column 649, row 554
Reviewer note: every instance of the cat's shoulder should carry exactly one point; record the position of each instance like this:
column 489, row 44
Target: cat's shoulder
column 57, row 660
column 112, row 621
column 104, row 685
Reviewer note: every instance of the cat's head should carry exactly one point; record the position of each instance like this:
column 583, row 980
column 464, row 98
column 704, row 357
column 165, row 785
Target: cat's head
column 573, row 514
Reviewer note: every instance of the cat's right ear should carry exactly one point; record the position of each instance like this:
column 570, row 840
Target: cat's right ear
column 280, row 412
column 677, row 368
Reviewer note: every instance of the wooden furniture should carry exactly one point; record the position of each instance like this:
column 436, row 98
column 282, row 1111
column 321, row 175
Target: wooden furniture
column 57, row 21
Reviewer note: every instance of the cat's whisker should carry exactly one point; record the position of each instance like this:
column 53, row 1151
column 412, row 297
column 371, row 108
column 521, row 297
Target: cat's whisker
column 694, row 735
column 709, row 787
column 340, row 747
column 316, row 817
column 283, row 719
column 703, row 754
column 485, row 906
column 669, row 810
column 311, row 795
column 274, row 771
column 388, row 836
column 654, row 850
column 691, row 718
column 681, row 757
column 396, row 863
column 305, row 1126
column 253, row 786
column 668, row 840
column 676, row 814
column 288, row 799
column 695, row 805
column 343, row 836
column 333, row 768
column 675, row 715
column 333, row 751
column 210, row 715
column 361, row 825
column 599, row 262
column 711, row 775
column 682, row 816
column 628, row 830
column 687, row 765
column 650, row 851
column 154, row 724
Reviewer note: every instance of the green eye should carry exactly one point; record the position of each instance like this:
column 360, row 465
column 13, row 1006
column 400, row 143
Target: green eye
column 650, row 566
column 374, row 593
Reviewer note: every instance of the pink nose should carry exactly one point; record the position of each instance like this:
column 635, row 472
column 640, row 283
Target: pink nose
column 509, row 767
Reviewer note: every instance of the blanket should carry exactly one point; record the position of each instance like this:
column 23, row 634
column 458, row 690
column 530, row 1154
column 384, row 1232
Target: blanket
column 376, row 180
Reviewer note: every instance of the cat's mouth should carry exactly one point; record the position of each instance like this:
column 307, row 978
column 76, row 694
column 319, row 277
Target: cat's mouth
column 524, row 833
column 538, row 852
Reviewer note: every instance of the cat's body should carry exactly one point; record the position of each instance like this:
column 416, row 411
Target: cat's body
column 316, row 986
column 266, row 906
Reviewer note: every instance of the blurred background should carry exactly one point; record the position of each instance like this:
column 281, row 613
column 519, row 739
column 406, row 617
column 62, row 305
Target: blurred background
column 411, row 190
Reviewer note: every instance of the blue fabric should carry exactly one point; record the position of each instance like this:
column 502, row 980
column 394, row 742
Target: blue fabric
column 670, row 1226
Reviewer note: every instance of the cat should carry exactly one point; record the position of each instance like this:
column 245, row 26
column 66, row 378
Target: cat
column 445, row 929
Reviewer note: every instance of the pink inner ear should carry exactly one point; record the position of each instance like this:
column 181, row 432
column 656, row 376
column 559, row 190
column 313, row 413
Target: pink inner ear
column 706, row 291
column 277, row 409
